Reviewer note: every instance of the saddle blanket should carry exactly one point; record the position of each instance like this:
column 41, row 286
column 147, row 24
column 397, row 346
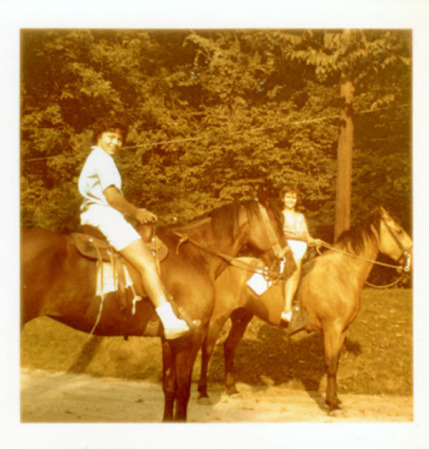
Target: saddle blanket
column 259, row 284
column 107, row 282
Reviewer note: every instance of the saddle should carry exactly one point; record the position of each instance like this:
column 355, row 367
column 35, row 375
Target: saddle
column 92, row 244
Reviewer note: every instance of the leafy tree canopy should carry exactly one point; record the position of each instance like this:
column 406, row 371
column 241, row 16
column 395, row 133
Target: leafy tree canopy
column 214, row 114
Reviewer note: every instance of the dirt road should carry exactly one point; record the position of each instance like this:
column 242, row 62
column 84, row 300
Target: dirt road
column 80, row 398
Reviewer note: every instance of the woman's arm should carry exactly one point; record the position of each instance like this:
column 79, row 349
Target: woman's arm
column 118, row 202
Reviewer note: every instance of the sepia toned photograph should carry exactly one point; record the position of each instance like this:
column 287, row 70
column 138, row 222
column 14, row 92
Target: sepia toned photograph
column 199, row 125
column 217, row 226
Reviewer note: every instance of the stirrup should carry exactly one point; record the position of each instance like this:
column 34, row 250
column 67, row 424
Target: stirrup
column 298, row 321
column 182, row 314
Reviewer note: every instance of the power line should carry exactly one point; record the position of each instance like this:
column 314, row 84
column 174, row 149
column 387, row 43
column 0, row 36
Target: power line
column 300, row 122
column 190, row 139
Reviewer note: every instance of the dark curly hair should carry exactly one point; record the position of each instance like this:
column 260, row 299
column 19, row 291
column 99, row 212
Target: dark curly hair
column 289, row 188
column 109, row 123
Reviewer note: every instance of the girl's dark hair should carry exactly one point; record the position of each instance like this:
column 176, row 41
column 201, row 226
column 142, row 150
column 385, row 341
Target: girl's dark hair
column 289, row 188
column 109, row 123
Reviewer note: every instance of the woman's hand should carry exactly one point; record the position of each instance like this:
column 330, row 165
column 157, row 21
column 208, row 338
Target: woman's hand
column 314, row 242
column 143, row 216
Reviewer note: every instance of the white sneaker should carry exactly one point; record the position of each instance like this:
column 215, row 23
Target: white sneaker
column 178, row 331
column 173, row 326
column 286, row 316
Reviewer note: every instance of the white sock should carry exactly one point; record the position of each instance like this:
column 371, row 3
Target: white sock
column 166, row 315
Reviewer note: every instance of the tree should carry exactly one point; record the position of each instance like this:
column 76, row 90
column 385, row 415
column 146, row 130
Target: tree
column 354, row 57
column 345, row 148
column 214, row 115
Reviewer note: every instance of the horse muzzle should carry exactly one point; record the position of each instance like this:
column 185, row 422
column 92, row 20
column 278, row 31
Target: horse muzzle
column 406, row 260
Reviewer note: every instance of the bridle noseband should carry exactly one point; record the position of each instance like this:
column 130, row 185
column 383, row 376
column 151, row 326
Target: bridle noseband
column 406, row 252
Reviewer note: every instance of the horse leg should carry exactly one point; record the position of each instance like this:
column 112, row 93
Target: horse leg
column 240, row 319
column 185, row 358
column 333, row 339
column 168, row 380
column 207, row 349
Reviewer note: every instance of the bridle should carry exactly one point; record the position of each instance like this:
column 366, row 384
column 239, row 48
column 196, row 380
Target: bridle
column 406, row 252
column 406, row 257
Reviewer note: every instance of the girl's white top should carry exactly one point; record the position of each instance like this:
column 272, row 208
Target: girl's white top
column 295, row 225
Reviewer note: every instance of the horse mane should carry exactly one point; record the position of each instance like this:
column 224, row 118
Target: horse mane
column 223, row 218
column 226, row 218
column 355, row 238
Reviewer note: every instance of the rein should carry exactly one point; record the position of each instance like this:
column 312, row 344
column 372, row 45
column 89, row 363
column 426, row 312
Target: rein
column 332, row 248
column 403, row 269
column 226, row 257
column 396, row 281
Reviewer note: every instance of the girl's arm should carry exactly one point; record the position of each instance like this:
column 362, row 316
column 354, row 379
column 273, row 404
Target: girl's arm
column 310, row 240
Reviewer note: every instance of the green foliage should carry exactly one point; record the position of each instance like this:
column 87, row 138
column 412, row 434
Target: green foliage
column 213, row 115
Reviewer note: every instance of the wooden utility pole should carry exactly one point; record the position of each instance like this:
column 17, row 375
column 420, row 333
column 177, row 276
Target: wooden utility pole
column 344, row 156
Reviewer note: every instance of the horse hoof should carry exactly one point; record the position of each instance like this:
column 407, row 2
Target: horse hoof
column 204, row 400
column 231, row 391
column 337, row 413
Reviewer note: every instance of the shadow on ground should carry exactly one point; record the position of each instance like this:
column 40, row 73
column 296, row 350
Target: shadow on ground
column 272, row 358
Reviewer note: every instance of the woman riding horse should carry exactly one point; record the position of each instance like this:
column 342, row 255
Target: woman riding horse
column 104, row 207
column 58, row 282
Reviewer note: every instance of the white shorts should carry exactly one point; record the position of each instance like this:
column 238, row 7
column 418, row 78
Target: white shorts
column 298, row 248
column 118, row 232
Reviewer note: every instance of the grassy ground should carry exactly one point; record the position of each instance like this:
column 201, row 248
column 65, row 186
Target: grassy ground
column 377, row 358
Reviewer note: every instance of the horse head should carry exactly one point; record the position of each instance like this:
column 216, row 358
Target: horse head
column 265, row 230
column 394, row 240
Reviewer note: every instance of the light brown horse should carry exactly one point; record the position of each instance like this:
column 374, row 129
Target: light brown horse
column 330, row 291
column 59, row 283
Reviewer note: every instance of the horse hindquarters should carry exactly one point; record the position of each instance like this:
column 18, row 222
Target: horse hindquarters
column 43, row 254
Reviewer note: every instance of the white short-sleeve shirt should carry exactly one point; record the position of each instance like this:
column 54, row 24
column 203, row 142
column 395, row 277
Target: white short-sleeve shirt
column 98, row 173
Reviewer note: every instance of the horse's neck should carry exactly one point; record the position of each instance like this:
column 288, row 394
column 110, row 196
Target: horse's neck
column 217, row 246
column 196, row 229
column 361, row 260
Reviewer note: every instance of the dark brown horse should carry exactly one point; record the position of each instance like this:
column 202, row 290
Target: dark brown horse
column 330, row 291
column 59, row 283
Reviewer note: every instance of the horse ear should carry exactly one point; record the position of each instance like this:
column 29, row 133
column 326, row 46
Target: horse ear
column 383, row 212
